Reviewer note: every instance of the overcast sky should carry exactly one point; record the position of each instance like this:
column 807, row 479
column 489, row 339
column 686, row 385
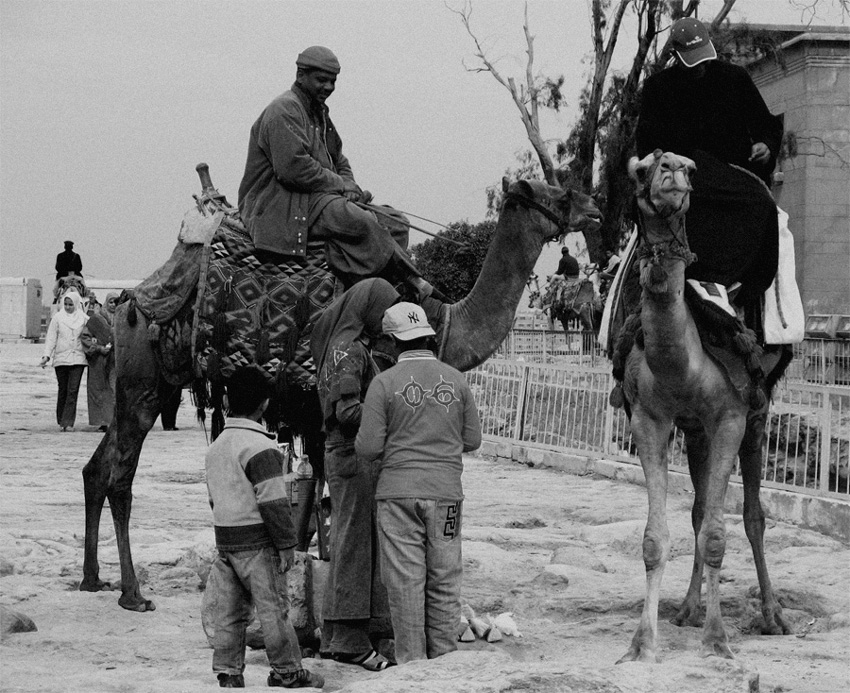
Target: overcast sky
column 107, row 106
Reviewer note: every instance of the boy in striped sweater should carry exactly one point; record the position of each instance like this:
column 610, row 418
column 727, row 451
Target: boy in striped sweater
column 255, row 538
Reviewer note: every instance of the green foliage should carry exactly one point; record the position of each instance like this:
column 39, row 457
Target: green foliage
column 451, row 269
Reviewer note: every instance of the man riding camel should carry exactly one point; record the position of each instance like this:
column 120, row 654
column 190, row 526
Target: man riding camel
column 299, row 186
column 711, row 112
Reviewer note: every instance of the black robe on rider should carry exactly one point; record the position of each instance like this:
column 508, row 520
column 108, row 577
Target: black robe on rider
column 714, row 120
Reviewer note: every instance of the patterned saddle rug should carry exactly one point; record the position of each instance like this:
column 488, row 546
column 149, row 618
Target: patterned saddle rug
column 253, row 309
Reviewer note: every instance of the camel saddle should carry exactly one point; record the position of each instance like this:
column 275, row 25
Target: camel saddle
column 235, row 306
column 563, row 293
column 256, row 309
column 730, row 344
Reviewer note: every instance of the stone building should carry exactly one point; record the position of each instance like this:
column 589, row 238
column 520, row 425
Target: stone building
column 810, row 90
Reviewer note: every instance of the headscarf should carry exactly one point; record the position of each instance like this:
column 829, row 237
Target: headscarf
column 76, row 319
column 104, row 312
column 357, row 311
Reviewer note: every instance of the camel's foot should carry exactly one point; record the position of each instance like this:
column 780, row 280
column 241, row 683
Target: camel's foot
column 774, row 624
column 716, row 648
column 639, row 655
column 96, row 585
column 688, row 615
column 136, row 603
column 642, row 649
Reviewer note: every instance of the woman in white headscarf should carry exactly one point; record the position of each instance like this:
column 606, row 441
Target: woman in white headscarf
column 64, row 346
column 97, row 343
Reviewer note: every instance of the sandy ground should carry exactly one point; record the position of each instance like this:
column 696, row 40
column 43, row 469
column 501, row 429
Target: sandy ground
column 562, row 553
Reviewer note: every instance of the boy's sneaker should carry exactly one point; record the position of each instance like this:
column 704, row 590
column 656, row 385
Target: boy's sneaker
column 231, row 681
column 302, row 678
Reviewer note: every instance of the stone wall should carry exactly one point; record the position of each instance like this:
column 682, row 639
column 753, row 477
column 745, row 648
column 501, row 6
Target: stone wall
column 811, row 90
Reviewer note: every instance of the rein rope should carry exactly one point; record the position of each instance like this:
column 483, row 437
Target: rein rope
column 378, row 210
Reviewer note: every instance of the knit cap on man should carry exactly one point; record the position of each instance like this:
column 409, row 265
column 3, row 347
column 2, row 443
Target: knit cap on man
column 318, row 58
column 689, row 39
column 406, row 321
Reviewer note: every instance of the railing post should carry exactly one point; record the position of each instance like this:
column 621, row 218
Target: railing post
column 610, row 413
column 519, row 424
column 825, row 442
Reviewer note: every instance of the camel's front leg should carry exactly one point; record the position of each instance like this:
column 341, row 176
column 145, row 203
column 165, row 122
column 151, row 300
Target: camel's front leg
column 751, row 456
column 712, row 535
column 132, row 431
column 121, row 501
column 95, row 482
column 651, row 438
column 689, row 613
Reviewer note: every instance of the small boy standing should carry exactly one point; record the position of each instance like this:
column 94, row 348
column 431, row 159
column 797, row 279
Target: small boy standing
column 418, row 418
column 255, row 538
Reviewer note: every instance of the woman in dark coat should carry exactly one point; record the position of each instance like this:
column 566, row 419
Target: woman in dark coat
column 97, row 343
column 354, row 593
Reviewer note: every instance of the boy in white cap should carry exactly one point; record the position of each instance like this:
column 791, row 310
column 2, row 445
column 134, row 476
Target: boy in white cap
column 418, row 418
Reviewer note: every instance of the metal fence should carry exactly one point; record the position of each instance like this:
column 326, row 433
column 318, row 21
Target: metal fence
column 824, row 361
column 563, row 405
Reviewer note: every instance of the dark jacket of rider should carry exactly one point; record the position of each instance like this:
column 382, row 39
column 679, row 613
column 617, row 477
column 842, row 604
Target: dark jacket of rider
column 721, row 112
column 295, row 167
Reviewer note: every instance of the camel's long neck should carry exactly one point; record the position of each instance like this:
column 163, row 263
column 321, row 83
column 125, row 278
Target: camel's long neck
column 479, row 323
column 670, row 336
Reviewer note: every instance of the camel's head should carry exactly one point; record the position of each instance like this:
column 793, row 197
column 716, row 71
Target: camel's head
column 662, row 183
column 569, row 210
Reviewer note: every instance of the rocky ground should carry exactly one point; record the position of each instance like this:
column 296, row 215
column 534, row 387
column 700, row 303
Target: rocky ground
column 559, row 552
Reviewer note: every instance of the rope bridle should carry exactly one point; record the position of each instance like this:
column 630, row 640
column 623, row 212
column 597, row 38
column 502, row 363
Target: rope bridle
column 678, row 246
column 531, row 203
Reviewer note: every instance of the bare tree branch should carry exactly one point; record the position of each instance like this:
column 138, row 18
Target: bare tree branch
column 525, row 98
column 583, row 162
column 722, row 14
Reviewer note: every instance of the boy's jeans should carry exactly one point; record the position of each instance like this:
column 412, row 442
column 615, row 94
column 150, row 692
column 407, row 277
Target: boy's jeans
column 422, row 567
column 249, row 578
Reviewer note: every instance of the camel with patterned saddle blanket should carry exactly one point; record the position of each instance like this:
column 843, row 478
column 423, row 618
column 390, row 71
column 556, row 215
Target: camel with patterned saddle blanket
column 216, row 303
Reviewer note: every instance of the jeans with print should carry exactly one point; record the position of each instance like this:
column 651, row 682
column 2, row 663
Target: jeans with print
column 422, row 567
column 246, row 579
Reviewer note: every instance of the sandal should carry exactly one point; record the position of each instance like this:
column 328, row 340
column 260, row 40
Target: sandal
column 371, row 661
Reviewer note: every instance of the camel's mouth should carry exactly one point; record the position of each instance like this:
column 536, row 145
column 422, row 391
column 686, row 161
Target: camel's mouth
column 584, row 215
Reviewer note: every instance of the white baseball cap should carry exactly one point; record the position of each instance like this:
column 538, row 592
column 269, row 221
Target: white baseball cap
column 406, row 321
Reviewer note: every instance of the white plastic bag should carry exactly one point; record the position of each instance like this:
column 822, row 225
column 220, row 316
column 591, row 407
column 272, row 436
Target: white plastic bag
column 784, row 319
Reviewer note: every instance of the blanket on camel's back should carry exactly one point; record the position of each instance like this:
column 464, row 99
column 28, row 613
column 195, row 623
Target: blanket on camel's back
column 565, row 295
column 254, row 309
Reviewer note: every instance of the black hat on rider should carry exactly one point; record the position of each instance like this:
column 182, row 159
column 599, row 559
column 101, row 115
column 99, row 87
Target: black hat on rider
column 690, row 41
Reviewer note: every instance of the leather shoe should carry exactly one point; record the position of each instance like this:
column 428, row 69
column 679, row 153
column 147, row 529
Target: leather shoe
column 231, row 681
